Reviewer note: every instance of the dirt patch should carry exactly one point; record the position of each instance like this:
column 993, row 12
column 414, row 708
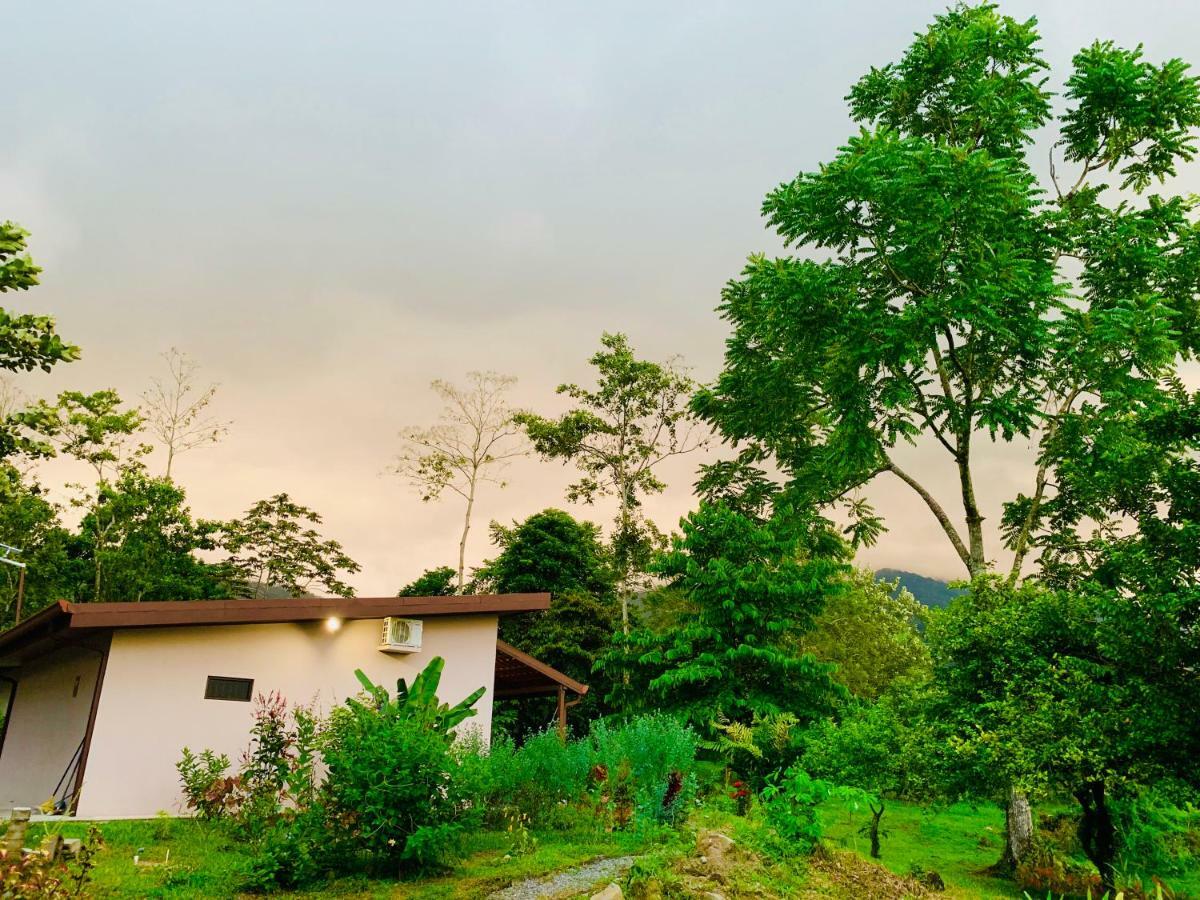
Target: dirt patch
column 861, row 878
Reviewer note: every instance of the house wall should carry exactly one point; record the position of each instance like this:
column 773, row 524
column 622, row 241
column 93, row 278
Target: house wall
column 49, row 720
column 152, row 702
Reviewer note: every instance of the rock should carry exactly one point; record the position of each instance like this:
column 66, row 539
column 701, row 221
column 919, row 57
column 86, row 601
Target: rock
column 713, row 895
column 933, row 881
column 714, row 850
column 612, row 892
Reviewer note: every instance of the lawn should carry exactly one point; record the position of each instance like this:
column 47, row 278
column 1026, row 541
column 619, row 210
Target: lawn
column 205, row 862
column 958, row 842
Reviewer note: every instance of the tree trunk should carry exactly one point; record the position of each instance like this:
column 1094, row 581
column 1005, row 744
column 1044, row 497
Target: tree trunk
column 1018, row 831
column 876, row 815
column 1097, row 835
column 462, row 543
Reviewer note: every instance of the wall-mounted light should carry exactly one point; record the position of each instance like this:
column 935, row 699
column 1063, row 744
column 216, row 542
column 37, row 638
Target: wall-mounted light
column 333, row 624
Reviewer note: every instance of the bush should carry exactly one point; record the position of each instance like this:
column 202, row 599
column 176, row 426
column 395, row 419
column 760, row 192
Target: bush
column 388, row 778
column 790, row 803
column 391, row 793
column 36, row 875
column 658, row 756
column 207, row 786
column 642, row 770
column 1156, row 836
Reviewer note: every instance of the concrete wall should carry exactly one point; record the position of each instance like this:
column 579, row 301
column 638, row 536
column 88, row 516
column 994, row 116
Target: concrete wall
column 49, row 719
column 152, row 702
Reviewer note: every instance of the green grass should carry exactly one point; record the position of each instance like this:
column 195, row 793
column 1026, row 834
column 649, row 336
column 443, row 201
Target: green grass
column 206, row 862
column 958, row 842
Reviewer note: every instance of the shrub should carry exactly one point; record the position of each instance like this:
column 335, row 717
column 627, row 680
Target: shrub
column 292, row 851
column 36, row 875
column 790, row 803
column 654, row 758
column 1156, row 836
column 207, row 786
column 390, row 784
column 277, row 769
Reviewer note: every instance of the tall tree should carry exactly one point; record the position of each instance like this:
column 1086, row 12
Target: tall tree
column 149, row 541
column 30, row 521
column 276, row 546
column 958, row 301
column 755, row 587
column 471, row 445
column 95, row 429
column 551, row 551
column 617, row 435
column 177, row 408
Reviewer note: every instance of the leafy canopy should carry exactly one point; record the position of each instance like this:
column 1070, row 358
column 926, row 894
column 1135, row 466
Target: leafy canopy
column 754, row 588
column 944, row 294
column 275, row 546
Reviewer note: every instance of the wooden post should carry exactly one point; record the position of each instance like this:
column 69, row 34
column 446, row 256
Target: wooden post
column 562, row 713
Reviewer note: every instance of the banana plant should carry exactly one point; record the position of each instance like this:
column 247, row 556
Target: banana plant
column 419, row 702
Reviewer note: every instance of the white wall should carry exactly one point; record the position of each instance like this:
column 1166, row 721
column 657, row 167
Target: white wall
column 49, row 718
column 152, row 701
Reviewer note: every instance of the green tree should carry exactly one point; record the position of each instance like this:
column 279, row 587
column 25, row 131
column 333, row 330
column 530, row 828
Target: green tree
column 149, row 542
column 439, row 582
column 553, row 552
column 30, row 521
column 870, row 631
column 755, row 588
column 95, row 429
column 27, row 342
column 863, row 750
column 276, row 546
column 1111, row 644
column 617, row 435
column 957, row 300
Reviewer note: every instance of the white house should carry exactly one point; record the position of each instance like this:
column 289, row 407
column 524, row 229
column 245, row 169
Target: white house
column 101, row 697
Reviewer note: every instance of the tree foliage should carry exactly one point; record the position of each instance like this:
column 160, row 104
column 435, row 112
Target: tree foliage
column 276, row 546
column 755, row 588
column 869, row 629
column 553, row 552
column 618, row 433
column 439, row 582
column 946, row 305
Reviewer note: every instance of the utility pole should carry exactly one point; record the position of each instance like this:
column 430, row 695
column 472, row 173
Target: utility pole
column 6, row 557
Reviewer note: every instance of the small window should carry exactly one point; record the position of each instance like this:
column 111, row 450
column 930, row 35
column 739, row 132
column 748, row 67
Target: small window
column 221, row 688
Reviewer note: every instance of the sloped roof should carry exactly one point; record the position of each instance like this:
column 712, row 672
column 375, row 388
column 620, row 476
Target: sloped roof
column 78, row 618
column 520, row 675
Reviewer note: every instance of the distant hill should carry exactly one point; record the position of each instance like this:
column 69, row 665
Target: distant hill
column 930, row 591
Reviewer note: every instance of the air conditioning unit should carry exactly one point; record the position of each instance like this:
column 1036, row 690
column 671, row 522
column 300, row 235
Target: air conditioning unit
column 401, row 635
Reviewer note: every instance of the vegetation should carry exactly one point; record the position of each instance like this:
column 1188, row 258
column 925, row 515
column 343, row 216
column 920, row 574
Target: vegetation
column 746, row 677
column 754, row 587
column 275, row 545
column 617, row 435
column 474, row 441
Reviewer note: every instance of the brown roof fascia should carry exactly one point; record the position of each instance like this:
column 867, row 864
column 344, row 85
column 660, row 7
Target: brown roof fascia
column 538, row 666
column 300, row 609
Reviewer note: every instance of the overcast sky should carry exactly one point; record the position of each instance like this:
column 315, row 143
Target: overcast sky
column 328, row 205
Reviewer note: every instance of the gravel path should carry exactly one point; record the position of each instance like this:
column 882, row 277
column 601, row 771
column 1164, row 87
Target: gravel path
column 567, row 883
